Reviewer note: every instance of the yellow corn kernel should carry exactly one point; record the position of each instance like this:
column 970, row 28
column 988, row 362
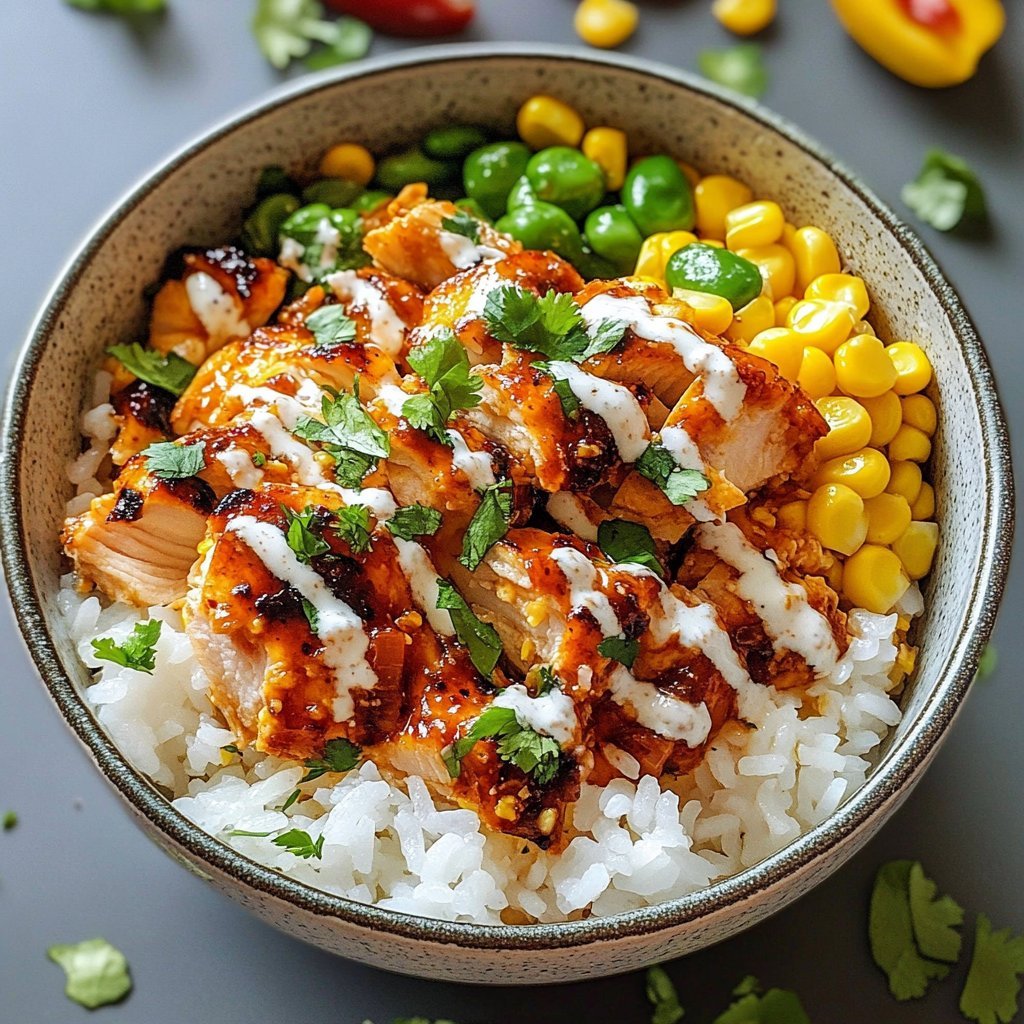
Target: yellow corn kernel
column 350, row 161
column 782, row 308
column 776, row 265
column 923, row 507
column 505, row 808
column 780, row 346
column 609, row 149
column 836, row 516
column 910, row 444
column 888, row 516
column 825, row 325
column 866, row 472
column 849, row 427
column 886, row 416
column 713, row 197
column 205, row 545
column 861, row 327
column 874, row 579
column 543, row 121
column 690, row 172
column 710, row 312
column 536, row 611
column 916, row 548
column 913, row 370
column 793, row 516
column 753, row 224
column 863, row 368
column 817, row 375
column 744, row 17
column 815, row 254
column 841, row 288
column 747, row 323
column 657, row 249
column 904, row 480
column 919, row 411
column 605, row 23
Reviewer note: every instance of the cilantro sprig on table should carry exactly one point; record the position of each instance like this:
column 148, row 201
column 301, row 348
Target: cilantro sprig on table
column 137, row 651
column 122, row 7
column 740, row 68
column 97, row 972
column 287, row 30
column 170, row 371
column 443, row 364
column 946, row 193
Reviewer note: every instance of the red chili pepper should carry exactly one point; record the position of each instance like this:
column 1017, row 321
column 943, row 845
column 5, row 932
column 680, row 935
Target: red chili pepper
column 938, row 15
column 410, row 17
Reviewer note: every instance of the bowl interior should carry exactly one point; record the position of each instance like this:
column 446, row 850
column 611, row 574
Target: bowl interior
column 198, row 199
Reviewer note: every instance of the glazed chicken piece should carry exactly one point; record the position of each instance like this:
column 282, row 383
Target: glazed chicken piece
column 143, row 415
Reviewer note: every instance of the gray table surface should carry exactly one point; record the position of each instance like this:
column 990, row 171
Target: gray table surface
column 86, row 108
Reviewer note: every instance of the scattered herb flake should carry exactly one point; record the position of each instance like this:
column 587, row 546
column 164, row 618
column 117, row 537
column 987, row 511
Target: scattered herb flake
column 625, row 541
column 351, row 41
column 776, row 1006
column 292, row 797
column 462, row 223
column 331, row 326
column 231, row 748
column 480, row 638
column 935, row 920
column 312, row 615
column 990, row 994
column 535, row 755
column 97, row 972
column 122, row 7
column 489, row 524
column 340, row 755
column 620, row 649
column 414, row 521
column 286, row 29
column 946, row 193
column 740, row 68
column 547, row 680
column 661, row 994
column 170, row 371
column 138, row 650
column 304, row 541
column 987, row 663
column 301, row 844
column 352, row 525
column 679, row 485
column 170, row 461
column 443, row 363
column 259, row 460
column 10, row 820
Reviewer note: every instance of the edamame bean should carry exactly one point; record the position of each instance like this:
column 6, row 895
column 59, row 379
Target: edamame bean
column 706, row 268
column 335, row 192
column 490, row 172
column 400, row 169
column 611, row 233
column 453, row 142
column 304, row 223
column 658, row 196
column 259, row 232
column 522, row 194
column 543, row 226
column 567, row 178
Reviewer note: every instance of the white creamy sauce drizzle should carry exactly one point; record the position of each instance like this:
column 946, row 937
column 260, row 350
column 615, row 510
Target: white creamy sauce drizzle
column 422, row 577
column 218, row 312
column 386, row 327
column 678, row 443
column 616, row 405
column 722, row 384
column 290, row 409
column 339, row 628
column 568, row 511
column 583, row 578
column 783, row 607
column 477, row 466
column 290, row 257
column 392, row 397
column 659, row 711
column 239, row 466
column 464, row 252
column 330, row 238
column 552, row 715
column 284, row 445
column 481, row 289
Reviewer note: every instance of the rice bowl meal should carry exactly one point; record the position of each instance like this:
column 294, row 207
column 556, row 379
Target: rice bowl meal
column 504, row 530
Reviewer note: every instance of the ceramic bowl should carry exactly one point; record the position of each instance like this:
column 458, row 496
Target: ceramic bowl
column 196, row 197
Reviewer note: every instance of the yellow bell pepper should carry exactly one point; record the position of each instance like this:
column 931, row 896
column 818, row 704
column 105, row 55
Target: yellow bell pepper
column 932, row 43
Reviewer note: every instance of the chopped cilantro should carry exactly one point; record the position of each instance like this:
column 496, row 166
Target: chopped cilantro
column 991, row 992
column 571, row 404
column 170, row 461
column 546, row 680
column 312, row 615
column 480, row 638
column 97, row 972
column 535, row 755
column 624, row 541
column 987, row 663
column 259, row 460
column 620, row 649
column 231, row 748
column 776, row 1006
column 946, row 193
column 414, row 521
column 122, row 7
column 737, row 67
column 351, row 39
column 340, row 755
column 10, row 820
column 352, row 525
column 138, row 651
column 287, row 29
column 443, row 363
column 301, row 844
column 170, row 371
column 489, row 524
column 935, row 920
column 661, row 994
column 331, row 326
column 305, row 542
column 462, row 223
column 679, row 485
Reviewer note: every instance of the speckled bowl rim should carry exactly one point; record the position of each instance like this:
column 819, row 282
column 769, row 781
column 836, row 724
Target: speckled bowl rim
column 907, row 759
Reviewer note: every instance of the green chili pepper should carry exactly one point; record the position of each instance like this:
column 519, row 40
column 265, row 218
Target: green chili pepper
column 453, row 142
column 370, row 200
column 612, row 234
column 522, row 194
column 706, row 268
column 567, row 178
column 400, row 169
column 335, row 192
column 658, row 196
column 490, row 172
column 259, row 232
column 544, row 226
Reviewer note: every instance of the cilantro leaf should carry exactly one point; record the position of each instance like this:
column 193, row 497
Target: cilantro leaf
column 352, row 525
column 547, row 680
column 661, row 994
column 935, row 920
column 97, row 972
column 414, row 521
column 443, row 363
column 891, row 933
column 987, row 663
column 489, row 524
column 292, row 797
column 571, row 405
column 351, row 40
column 679, row 485
column 624, row 541
column 993, row 981
column 331, row 326
column 304, row 541
column 170, row 461
column 776, row 1006
column 138, row 651
column 619, row 648
column 286, row 29
column 462, row 223
column 946, row 193
column 340, row 755
column 312, row 615
column 480, row 638
column 170, row 371
column 123, row 7
column 535, row 755
column 301, row 844
column 736, row 67
column 604, row 337
column 10, row 820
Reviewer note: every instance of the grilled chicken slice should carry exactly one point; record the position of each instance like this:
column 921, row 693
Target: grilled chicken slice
column 143, row 415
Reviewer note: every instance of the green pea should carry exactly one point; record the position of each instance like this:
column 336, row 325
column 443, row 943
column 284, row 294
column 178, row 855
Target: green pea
column 334, row 192
column 706, row 268
column 473, row 207
column 612, row 234
column 658, row 196
column 304, row 223
column 259, row 232
column 543, row 226
column 490, row 172
column 453, row 142
column 567, row 178
column 370, row 200
column 400, row 169
column 522, row 194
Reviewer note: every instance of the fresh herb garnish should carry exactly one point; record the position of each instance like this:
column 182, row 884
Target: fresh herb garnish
column 624, row 541
column 489, row 524
column 737, row 67
column 287, row 29
column 352, row 524
column 122, row 7
column 351, row 41
column 414, row 521
column 231, row 748
column 546, row 680
column 170, row 371
column 331, row 326
column 946, row 193
column 301, row 844
column 97, row 972
column 661, row 994
column 340, row 755
column 535, row 755
column 935, row 918
column 10, row 820
column 443, row 363
column 550, row 324
column 462, row 223
column 480, row 638
column 990, row 994
column 292, row 797
column 619, row 648
column 138, row 651
column 305, row 542
column 170, row 461
column 312, row 615
column 679, row 485
column 987, row 663
column 259, row 460
column 776, row 1006
column 571, row 405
